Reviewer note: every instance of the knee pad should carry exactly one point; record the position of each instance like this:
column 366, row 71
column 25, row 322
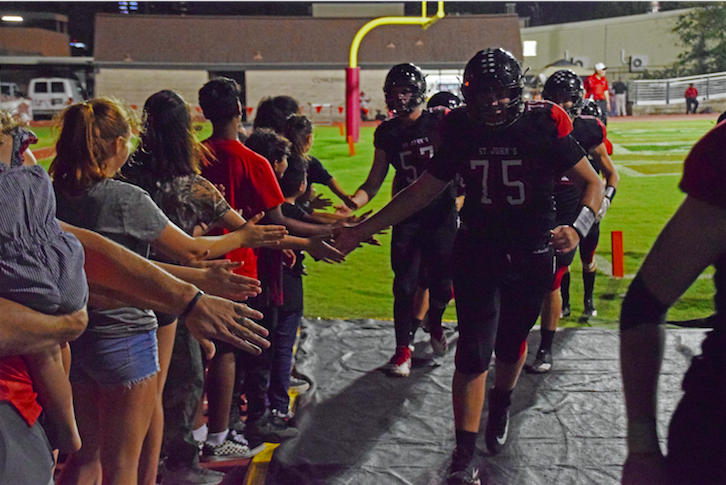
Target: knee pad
column 641, row 307
column 472, row 356
column 511, row 354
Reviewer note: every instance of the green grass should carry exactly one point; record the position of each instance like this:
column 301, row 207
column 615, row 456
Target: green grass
column 649, row 156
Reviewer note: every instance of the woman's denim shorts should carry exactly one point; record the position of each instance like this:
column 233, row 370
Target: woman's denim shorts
column 114, row 361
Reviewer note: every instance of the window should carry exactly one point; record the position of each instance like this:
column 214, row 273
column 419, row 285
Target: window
column 41, row 87
column 57, row 87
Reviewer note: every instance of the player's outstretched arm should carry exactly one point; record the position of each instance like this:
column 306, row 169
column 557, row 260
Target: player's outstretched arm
column 407, row 202
column 371, row 186
column 592, row 188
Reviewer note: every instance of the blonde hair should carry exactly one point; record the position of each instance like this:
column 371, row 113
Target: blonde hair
column 88, row 132
column 7, row 122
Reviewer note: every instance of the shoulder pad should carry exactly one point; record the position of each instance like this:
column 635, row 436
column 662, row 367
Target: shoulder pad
column 549, row 115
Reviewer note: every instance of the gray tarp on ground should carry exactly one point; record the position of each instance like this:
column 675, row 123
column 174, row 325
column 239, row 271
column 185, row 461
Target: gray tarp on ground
column 360, row 427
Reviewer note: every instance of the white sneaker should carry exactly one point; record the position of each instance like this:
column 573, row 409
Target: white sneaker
column 400, row 363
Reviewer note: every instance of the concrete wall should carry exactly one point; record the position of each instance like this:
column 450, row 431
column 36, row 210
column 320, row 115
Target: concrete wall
column 134, row 86
column 313, row 88
column 30, row 41
column 605, row 40
column 265, row 43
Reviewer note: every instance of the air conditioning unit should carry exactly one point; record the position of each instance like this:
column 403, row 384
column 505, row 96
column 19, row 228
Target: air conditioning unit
column 581, row 61
column 638, row 63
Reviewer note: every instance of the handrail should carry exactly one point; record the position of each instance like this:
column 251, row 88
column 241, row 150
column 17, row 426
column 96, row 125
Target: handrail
column 423, row 21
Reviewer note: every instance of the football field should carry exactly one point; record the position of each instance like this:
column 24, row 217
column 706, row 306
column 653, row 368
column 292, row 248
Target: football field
column 648, row 153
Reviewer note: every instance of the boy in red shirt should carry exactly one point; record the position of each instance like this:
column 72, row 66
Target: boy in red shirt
column 250, row 186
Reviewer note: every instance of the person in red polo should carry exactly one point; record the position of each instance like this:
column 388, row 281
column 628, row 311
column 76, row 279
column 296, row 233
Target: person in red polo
column 596, row 87
column 691, row 96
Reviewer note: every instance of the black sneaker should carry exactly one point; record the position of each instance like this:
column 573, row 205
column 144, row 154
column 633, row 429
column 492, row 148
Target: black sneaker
column 194, row 475
column 497, row 430
column 589, row 310
column 273, row 427
column 542, row 363
column 463, row 472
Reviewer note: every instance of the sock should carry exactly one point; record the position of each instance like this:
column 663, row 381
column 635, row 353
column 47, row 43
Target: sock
column 565, row 289
column 465, row 446
column 588, row 280
column 217, row 438
column 500, row 398
column 547, row 337
column 200, row 434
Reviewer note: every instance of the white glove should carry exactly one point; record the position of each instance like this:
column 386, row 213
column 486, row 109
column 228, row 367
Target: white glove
column 603, row 209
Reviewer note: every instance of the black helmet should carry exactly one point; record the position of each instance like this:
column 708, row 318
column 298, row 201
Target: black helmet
column 444, row 99
column 591, row 108
column 494, row 71
column 563, row 86
column 404, row 75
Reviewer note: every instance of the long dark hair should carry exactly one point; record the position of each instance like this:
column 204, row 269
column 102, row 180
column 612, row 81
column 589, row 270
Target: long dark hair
column 272, row 112
column 169, row 147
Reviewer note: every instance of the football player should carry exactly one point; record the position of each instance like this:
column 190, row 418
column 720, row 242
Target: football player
column 509, row 153
column 693, row 239
column 565, row 89
column 423, row 241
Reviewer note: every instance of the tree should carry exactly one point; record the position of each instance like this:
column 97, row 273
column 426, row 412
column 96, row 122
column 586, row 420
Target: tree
column 702, row 31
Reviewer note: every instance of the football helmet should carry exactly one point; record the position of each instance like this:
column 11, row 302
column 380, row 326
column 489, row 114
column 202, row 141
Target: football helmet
column 400, row 77
column 564, row 86
column 491, row 75
column 444, row 99
column 591, row 108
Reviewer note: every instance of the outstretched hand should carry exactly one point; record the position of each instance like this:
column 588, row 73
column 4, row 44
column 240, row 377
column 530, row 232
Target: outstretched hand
column 321, row 250
column 255, row 236
column 221, row 281
column 319, row 202
column 227, row 321
column 564, row 239
column 346, row 240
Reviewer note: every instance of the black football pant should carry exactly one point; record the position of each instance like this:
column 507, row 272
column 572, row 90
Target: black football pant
column 419, row 245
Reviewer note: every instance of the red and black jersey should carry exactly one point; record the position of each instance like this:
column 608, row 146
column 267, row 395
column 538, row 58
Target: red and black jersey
column 589, row 133
column 509, row 173
column 704, row 171
column 409, row 148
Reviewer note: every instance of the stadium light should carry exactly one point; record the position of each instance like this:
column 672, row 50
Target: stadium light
column 529, row 48
column 12, row 18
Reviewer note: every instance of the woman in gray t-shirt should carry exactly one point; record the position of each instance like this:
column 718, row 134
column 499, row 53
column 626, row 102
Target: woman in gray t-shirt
column 115, row 363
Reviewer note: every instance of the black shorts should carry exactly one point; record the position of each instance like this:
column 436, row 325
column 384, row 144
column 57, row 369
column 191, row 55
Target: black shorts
column 499, row 296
